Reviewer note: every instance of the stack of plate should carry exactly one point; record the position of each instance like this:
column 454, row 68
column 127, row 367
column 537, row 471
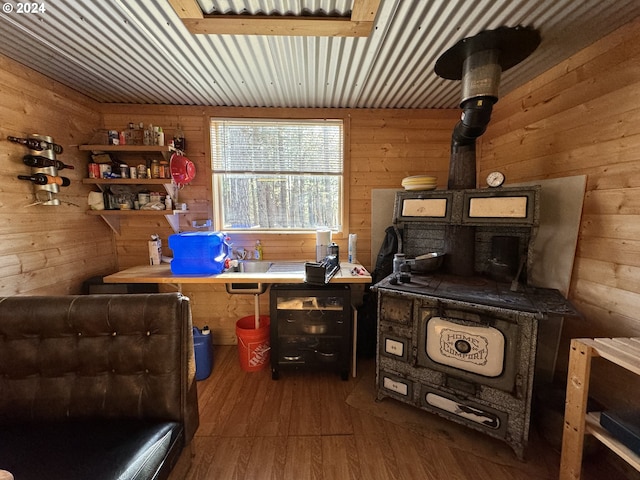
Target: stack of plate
column 419, row 182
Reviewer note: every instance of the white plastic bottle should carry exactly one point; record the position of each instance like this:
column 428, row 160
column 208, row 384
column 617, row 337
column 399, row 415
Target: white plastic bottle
column 353, row 238
column 160, row 137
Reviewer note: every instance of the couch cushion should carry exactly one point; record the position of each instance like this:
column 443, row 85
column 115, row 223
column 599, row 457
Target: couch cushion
column 104, row 356
column 91, row 449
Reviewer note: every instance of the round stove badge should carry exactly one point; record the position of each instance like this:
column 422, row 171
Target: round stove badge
column 464, row 346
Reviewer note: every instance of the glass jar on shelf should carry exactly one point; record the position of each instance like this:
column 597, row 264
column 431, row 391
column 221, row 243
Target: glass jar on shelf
column 155, row 168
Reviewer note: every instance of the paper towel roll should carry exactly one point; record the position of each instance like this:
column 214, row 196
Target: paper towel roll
column 323, row 239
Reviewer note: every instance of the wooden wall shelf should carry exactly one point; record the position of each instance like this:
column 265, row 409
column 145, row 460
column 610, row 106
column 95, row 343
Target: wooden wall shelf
column 112, row 217
column 123, row 148
column 126, row 181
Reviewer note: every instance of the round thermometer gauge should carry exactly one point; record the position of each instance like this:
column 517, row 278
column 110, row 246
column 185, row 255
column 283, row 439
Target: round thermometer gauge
column 495, row 179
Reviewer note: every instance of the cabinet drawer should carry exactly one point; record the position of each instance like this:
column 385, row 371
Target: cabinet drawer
column 396, row 309
column 394, row 347
column 314, row 326
column 396, row 386
column 462, row 410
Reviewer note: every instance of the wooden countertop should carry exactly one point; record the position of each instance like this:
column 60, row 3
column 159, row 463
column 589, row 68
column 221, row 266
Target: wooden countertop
column 162, row 274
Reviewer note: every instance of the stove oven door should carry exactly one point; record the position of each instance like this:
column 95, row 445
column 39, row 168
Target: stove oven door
column 476, row 346
column 481, row 417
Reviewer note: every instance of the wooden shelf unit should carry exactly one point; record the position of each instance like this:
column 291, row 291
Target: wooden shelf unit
column 112, row 217
column 126, row 181
column 624, row 352
column 124, row 148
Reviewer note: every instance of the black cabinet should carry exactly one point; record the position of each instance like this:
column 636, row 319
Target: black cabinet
column 310, row 328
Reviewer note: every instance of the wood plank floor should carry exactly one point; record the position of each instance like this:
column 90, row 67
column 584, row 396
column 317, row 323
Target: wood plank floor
column 300, row 427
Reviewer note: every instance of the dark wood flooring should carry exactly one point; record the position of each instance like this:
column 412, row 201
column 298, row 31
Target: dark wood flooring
column 301, row 427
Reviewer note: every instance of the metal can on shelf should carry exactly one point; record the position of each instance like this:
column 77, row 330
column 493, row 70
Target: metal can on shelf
column 164, row 169
column 94, row 170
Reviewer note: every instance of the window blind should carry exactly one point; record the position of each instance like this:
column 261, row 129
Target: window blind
column 276, row 146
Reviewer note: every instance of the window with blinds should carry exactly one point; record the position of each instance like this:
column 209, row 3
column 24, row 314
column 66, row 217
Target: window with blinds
column 277, row 174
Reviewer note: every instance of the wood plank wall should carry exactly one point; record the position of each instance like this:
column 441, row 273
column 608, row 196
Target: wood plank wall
column 46, row 249
column 583, row 118
column 384, row 146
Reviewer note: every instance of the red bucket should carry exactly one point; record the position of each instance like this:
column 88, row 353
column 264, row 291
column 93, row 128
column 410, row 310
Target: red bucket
column 253, row 343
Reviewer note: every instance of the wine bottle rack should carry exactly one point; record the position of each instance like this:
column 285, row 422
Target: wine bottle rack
column 45, row 194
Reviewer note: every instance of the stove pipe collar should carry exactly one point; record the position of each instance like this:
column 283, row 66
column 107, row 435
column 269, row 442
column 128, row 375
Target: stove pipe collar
column 480, row 83
column 479, row 62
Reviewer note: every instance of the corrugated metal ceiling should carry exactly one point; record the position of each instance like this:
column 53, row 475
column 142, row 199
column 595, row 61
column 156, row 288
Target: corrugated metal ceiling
column 317, row 8
column 128, row 51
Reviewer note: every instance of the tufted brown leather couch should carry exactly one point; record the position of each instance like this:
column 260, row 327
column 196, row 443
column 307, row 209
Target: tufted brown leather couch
column 96, row 386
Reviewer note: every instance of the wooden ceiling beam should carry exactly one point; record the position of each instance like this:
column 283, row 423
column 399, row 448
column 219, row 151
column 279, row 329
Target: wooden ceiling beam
column 187, row 8
column 364, row 10
column 290, row 26
column 358, row 25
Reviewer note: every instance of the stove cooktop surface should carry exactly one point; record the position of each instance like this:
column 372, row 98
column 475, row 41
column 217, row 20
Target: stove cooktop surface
column 484, row 291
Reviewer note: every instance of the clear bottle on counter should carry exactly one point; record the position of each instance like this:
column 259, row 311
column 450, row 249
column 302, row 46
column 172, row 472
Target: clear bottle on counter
column 398, row 262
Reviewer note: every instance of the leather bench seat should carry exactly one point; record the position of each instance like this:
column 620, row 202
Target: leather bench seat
column 98, row 449
column 97, row 387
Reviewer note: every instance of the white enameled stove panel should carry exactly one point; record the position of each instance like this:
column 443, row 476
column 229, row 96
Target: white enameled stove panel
column 398, row 387
column 424, row 207
column 476, row 349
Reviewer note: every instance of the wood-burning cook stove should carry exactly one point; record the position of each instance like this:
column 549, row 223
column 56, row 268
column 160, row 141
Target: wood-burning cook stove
column 468, row 343
column 468, row 349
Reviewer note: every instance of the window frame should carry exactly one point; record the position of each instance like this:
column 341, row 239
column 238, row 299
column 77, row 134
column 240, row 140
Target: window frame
column 345, row 179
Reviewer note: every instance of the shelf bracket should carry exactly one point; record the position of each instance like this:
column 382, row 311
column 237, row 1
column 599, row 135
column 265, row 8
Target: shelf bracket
column 174, row 221
column 172, row 190
column 113, row 222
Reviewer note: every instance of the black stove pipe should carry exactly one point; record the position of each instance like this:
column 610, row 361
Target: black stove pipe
column 476, row 115
column 460, row 239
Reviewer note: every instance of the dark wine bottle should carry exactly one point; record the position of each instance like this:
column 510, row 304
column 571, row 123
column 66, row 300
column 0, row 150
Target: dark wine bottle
column 43, row 179
column 35, row 144
column 38, row 161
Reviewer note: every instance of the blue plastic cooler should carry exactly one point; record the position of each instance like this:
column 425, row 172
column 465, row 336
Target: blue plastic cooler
column 199, row 253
